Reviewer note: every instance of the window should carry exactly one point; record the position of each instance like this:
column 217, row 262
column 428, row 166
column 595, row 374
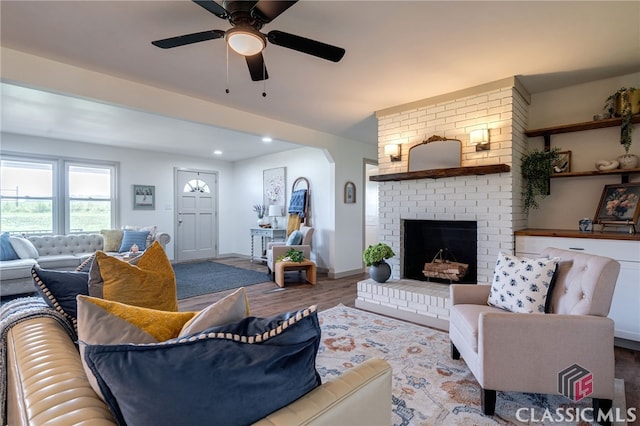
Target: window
column 27, row 196
column 55, row 196
column 89, row 197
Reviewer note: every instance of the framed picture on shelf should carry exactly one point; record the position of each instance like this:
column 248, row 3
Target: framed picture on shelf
column 144, row 197
column 349, row 193
column 563, row 164
column 619, row 204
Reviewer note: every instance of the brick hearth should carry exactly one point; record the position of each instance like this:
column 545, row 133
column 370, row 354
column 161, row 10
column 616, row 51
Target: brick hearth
column 425, row 303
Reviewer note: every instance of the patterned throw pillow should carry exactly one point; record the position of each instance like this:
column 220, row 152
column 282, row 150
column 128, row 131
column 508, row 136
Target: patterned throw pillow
column 233, row 374
column 521, row 284
column 60, row 288
column 103, row 322
column 150, row 283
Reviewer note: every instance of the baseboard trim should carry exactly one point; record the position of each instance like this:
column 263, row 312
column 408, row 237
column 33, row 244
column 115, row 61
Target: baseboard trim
column 334, row 275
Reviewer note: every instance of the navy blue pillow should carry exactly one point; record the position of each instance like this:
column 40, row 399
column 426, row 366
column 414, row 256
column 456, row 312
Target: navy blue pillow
column 233, row 374
column 130, row 238
column 60, row 288
column 6, row 249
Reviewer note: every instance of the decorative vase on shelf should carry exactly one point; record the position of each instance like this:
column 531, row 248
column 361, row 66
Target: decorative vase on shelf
column 380, row 272
column 262, row 221
column 628, row 161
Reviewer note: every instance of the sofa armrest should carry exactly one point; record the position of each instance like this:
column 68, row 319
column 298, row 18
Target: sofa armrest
column 469, row 294
column 360, row 396
column 46, row 382
column 163, row 238
column 271, row 244
column 534, row 348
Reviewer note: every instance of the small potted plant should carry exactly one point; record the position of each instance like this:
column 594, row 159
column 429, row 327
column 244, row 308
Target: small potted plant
column 536, row 169
column 625, row 102
column 260, row 210
column 374, row 257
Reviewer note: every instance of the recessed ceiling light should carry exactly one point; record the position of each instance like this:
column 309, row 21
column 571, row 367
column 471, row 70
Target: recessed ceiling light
column 267, row 139
column 217, row 152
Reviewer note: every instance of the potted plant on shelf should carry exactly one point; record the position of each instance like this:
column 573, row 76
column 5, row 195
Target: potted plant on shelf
column 625, row 102
column 374, row 257
column 536, row 169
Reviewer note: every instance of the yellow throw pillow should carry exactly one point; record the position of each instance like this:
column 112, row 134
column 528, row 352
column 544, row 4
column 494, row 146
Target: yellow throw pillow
column 150, row 283
column 111, row 239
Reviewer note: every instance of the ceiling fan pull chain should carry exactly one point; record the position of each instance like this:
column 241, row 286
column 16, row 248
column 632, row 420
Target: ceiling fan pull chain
column 264, row 80
column 227, row 89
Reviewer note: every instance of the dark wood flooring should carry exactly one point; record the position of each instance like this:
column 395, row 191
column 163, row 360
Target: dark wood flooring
column 268, row 299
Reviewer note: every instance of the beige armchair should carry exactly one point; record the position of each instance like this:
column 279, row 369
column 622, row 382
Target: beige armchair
column 280, row 248
column 520, row 352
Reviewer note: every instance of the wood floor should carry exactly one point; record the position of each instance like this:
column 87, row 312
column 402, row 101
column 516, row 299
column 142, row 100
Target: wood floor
column 268, row 299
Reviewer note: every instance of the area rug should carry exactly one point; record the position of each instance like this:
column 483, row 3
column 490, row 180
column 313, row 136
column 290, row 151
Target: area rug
column 429, row 388
column 194, row 279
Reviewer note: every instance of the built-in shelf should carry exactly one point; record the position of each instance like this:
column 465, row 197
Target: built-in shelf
column 570, row 233
column 443, row 173
column 623, row 172
column 578, row 127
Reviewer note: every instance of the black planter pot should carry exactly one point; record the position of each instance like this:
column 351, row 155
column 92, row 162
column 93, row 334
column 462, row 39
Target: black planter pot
column 380, row 272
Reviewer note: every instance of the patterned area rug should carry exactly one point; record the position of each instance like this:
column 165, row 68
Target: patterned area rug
column 429, row 388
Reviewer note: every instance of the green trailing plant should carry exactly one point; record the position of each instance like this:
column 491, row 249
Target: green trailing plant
column 376, row 254
column 619, row 104
column 292, row 255
column 536, row 169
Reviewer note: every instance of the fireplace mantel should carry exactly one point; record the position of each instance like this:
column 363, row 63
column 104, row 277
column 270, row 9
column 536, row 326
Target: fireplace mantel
column 443, row 173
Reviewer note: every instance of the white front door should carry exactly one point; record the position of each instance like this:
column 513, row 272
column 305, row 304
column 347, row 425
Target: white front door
column 196, row 216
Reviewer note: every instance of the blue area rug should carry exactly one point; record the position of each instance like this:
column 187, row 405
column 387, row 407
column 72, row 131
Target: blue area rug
column 194, row 279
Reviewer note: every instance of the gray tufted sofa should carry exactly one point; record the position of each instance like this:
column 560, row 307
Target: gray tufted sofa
column 63, row 252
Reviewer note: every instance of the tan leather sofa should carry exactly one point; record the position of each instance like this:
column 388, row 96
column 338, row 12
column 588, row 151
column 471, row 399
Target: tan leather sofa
column 47, row 385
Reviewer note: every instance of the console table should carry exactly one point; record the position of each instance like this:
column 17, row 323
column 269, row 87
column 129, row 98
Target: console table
column 264, row 233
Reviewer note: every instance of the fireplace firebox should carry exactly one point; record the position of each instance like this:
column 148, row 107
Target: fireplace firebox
column 423, row 239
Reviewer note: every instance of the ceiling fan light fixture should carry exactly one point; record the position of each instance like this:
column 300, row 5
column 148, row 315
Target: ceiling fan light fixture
column 245, row 41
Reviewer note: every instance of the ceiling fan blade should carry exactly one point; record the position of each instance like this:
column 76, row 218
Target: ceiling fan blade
column 257, row 68
column 182, row 40
column 212, row 7
column 305, row 45
column 267, row 10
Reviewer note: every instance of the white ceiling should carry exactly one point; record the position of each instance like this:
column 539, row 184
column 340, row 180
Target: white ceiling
column 397, row 52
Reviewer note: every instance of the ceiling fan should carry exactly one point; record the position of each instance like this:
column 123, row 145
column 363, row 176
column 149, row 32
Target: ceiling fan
column 247, row 18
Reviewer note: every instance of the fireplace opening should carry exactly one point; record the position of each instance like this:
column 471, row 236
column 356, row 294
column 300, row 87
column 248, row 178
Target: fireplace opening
column 423, row 239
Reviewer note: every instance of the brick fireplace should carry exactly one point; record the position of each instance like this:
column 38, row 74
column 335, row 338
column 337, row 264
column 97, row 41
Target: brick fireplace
column 492, row 201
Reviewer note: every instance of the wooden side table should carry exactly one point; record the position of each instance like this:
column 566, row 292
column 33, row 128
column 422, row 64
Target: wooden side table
column 307, row 265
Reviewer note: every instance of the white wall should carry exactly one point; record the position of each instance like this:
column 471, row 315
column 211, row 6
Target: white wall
column 239, row 188
column 138, row 167
column 574, row 198
column 310, row 163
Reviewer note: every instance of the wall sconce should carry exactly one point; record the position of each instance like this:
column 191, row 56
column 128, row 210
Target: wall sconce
column 392, row 151
column 479, row 138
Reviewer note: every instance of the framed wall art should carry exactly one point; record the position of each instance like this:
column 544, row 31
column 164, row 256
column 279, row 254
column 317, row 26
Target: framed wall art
column 273, row 187
column 349, row 193
column 144, row 197
column 619, row 205
column 563, row 164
